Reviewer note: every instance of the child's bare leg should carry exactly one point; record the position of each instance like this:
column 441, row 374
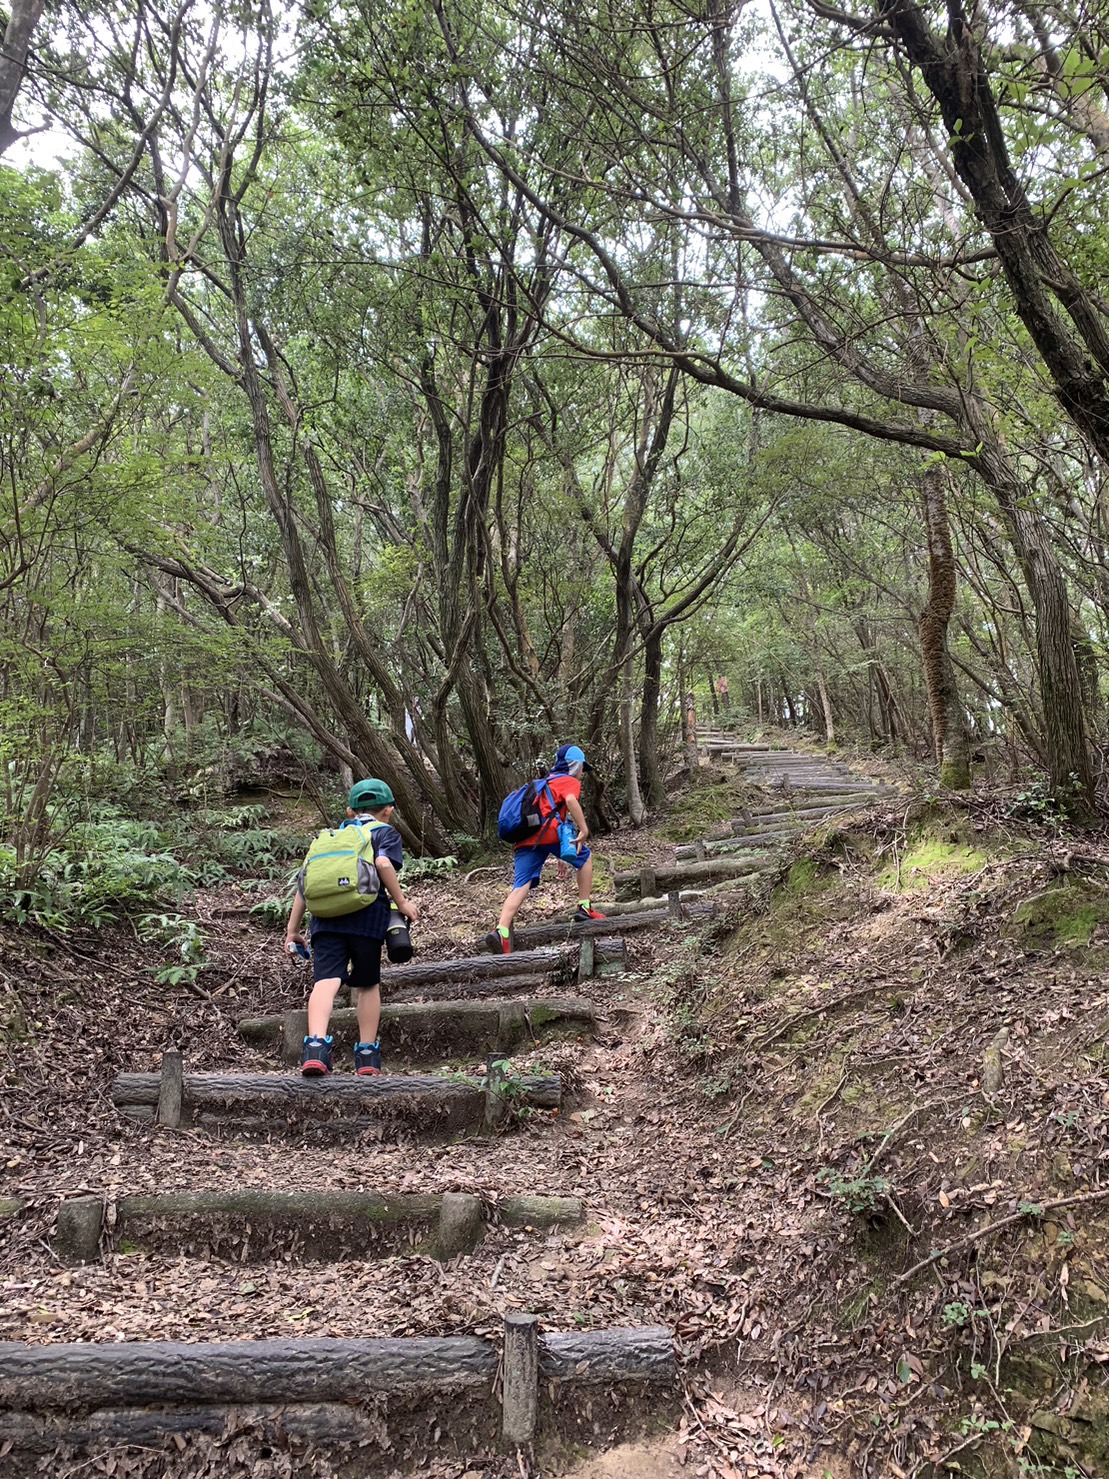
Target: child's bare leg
column 368, row 1006
column 512, row 906
column 585, row 879
column 320, row 1004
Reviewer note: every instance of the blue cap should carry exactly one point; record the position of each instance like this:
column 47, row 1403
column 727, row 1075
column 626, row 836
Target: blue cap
column 569, row 755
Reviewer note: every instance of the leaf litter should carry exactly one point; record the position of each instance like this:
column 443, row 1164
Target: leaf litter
column 770, row 1126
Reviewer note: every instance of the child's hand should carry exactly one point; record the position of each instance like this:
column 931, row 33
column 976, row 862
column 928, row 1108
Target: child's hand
column 409, row 910
column 563, row 870
column 296, row 946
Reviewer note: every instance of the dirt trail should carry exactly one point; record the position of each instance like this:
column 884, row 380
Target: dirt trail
column 713, row 1135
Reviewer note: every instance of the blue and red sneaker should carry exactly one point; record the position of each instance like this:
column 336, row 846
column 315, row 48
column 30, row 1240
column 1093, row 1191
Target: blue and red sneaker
column 367, row 1058
column 315, row 1057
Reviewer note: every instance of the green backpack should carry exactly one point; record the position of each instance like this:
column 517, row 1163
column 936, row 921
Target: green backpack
column 338, row 876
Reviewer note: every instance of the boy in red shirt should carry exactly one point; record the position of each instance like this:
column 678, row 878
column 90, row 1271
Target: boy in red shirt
column 564, row 784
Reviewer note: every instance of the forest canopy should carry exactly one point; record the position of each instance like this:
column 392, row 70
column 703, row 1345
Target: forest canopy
column 416, row 388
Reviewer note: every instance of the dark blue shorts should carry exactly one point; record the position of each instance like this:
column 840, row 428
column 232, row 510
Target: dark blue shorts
column 527, row 862
column 355, row 959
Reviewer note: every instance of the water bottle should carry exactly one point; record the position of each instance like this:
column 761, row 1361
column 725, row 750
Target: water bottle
column 398, row 942
column 567, row 842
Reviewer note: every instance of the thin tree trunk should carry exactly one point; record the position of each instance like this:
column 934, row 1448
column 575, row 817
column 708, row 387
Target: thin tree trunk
column 949, row 736
column 826, row 708
column 650, row 772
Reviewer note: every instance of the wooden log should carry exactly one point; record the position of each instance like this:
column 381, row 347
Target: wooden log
column 676, row 874
column 529, row 1211
column 568, row 941
column 483, row 990
column 609, row 1356
column 317, row 1425
column 253, row 1223
column 162, row 1394
column 475, row 968
column 661, row 904
column 451, row 1029
column 724, row 848
column 639, row 919
column 805, row 813
column 170, row 1089
column 469, row 976
column 520, row 1379
column 755, row 840
column 79, row 1226
column 86, row 1376
column 271, row 1100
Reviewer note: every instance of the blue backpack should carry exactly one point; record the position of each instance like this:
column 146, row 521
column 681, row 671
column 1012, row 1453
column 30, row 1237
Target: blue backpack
column 520, row 817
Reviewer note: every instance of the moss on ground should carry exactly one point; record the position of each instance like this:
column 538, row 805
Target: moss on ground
column 1066, row 915
column 930, row 859
column 703, row 807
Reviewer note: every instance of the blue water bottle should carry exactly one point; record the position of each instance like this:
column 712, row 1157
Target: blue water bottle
column 567, row 842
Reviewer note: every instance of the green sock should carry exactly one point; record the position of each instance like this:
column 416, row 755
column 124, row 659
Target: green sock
column 502, row 930
column 583, row 903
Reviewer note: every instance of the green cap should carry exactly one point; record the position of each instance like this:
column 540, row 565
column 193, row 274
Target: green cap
column 368, row 794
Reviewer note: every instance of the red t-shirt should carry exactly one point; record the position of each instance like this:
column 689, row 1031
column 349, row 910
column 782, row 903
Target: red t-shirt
column 560, row 786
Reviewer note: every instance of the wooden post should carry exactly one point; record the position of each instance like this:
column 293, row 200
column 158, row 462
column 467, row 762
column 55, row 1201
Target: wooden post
column 77, row 1235
column 496, row 1104
column 587, row 954
column 294, row 1029
column 520, row 1402
column 674, row 903
column 460, row 1225
column 170, row 1090
column 648, row 883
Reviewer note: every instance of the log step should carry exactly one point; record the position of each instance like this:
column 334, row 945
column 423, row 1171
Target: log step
column 448, row 1029
column 620, row 924
column 86, row 1395
column 421, row 1103
column 251, row 1225
column 648, row 881
column 401, row 981
column 723, row 847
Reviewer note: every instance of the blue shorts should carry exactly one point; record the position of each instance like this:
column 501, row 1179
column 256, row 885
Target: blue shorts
column 527, row 862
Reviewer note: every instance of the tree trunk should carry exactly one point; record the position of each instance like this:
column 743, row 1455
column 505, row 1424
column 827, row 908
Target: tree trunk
column 22, row 21
column 1068, row 756
column 650, row 771
column 826, row 709
column 636, row 810
column 1074, row 348
column 949, row 736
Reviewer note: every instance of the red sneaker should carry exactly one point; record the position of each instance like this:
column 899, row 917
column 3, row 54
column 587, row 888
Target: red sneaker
column 499, row 944
column 583, row 913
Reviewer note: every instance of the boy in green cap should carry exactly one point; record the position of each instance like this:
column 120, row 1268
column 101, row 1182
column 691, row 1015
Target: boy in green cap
column 348, row 948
